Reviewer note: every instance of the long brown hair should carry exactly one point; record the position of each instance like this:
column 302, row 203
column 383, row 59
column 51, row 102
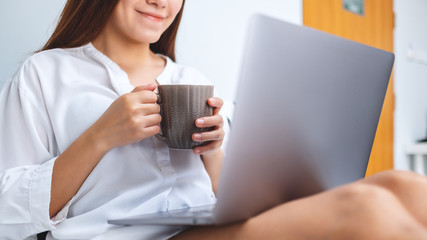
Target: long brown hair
column 82, row 21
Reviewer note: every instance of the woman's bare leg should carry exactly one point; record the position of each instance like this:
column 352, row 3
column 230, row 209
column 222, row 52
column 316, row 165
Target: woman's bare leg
column 362, row 210
column 350, row 212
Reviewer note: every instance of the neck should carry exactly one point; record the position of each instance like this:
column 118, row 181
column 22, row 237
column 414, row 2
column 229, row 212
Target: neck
column 128, row 54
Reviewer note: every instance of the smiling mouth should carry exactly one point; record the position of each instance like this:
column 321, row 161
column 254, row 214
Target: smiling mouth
column 152, row 16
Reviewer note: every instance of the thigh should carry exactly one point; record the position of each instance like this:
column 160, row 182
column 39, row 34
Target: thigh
column 355, row 211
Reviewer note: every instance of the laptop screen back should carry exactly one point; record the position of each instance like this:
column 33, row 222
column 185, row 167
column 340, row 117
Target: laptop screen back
column 306, row 114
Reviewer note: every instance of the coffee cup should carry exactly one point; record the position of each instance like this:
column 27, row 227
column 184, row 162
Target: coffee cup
column 181, row 105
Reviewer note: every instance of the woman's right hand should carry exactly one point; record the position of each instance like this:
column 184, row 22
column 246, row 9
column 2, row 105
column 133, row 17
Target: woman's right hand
column 130, row 118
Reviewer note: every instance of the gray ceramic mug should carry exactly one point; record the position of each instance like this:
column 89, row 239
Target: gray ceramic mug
column 180, row 106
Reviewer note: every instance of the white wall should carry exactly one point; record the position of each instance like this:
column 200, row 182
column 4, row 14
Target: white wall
column 24, row 26
column 410, row 77
column 212, row 35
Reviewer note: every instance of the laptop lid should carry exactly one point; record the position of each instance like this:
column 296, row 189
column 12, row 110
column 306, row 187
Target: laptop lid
column 307, row 109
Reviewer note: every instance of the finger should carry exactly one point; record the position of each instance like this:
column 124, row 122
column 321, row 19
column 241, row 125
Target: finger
column 145, row 96
column 216, row 103
column 151, row 130
column 148, row 87
column 149, row 108
column 214, row 135
column 212, row 121
column 145, row 93
column 208, row 148
column 151, row 120
column 142, row 109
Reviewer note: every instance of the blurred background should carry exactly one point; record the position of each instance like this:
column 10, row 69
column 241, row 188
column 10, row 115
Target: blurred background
column 211, row 39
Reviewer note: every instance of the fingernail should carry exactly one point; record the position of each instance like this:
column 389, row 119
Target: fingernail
column 200, row 121
column 197, row 151
column 197, row 136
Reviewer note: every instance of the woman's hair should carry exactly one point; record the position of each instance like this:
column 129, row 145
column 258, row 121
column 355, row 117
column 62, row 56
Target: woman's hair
column 82, row 21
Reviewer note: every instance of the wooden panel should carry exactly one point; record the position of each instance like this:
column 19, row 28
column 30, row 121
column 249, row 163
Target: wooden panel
column 374, row 28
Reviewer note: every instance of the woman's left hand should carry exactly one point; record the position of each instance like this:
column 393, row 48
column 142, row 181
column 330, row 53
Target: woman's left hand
column 214, row 137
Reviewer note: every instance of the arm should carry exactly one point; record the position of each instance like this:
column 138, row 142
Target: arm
column 213, row 165
column 27, row 154
column 129, row 119
column 34, row 184
column 72, row 167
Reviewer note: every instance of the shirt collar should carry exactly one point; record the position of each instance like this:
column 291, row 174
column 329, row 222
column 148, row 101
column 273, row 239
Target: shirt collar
column 122, row 83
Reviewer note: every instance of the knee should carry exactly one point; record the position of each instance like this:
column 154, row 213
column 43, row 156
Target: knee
column 356, row 203
column 396, row 180
column 361, row 196
column 364, row 208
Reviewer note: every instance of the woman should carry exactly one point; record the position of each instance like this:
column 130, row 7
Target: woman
column 84, row 111
column 87, row 113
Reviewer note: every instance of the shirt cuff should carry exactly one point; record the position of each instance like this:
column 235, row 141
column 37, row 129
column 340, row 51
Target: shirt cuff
column 39, row 198
column 61, row 215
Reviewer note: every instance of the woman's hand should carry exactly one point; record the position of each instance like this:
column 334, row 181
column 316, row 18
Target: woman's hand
column 130, row 118
column 215, row 137
column 211, row 153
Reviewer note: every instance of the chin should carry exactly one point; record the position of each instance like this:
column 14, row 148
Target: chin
column 154, row 40
column 147, row 37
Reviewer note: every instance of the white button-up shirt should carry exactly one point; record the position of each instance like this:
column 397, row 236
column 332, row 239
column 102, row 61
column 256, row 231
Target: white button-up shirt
column 54, row 97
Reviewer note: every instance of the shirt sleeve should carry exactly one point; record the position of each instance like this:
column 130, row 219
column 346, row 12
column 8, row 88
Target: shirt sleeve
column 27, row 156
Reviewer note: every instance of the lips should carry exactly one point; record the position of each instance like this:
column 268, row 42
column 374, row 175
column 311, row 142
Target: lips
column 152, row 16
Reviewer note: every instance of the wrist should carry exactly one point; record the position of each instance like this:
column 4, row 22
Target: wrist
column 97, row 142
column 216, row 154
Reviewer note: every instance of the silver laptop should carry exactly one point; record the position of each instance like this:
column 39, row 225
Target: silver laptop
column 307, row 109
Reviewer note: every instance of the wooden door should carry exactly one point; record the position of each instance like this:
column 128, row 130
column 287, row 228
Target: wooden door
column 372, row 26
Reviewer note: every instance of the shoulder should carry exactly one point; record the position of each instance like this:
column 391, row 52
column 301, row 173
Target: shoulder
column 49, row 59
column 29, row 72
column 49, row 63
column 42, row 69
column 183, row 74
column 56, row 55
